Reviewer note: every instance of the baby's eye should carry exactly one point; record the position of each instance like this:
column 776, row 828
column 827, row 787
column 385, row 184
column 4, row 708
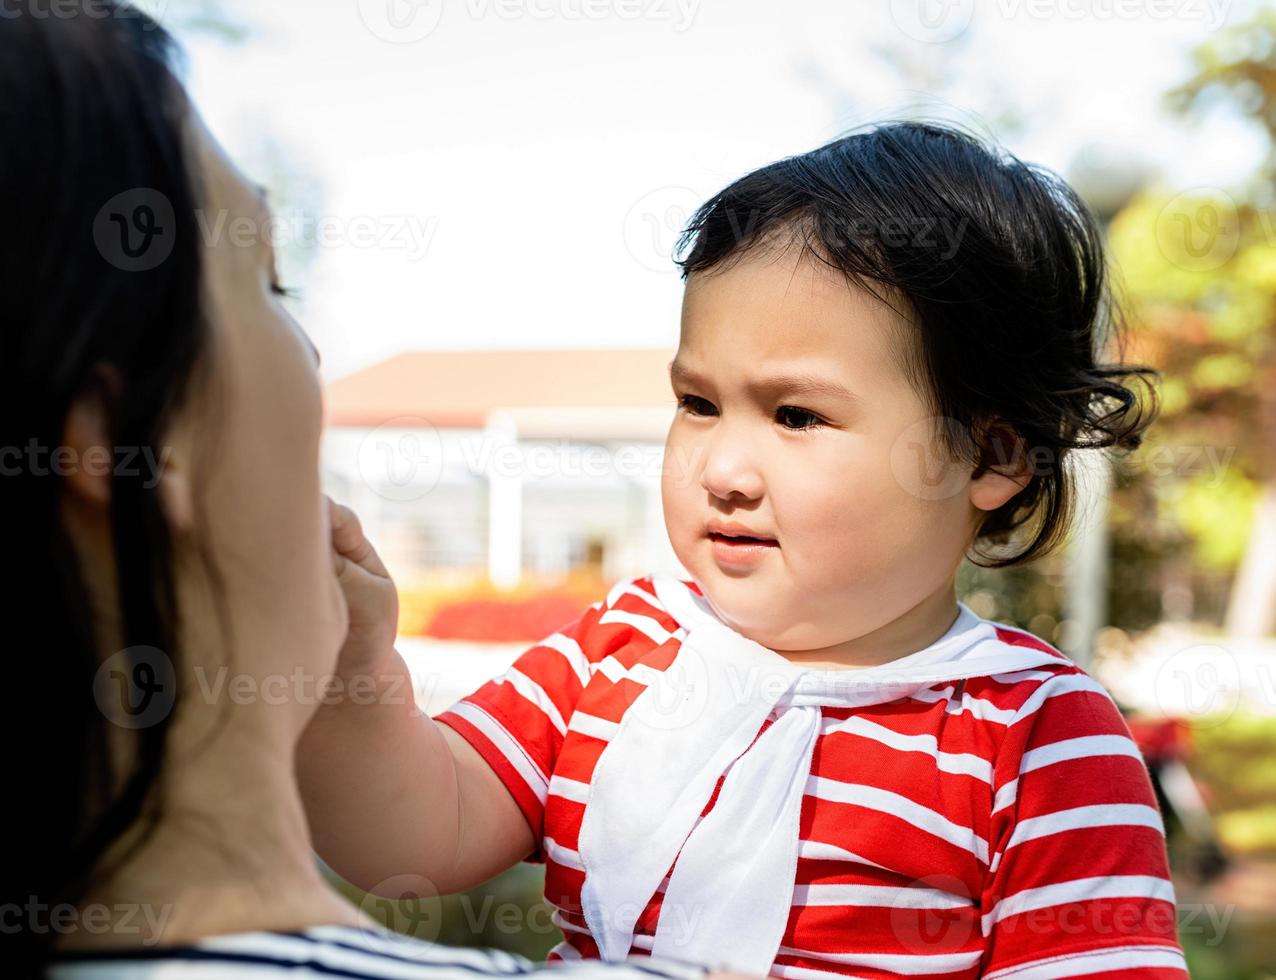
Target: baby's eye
column 697, row 405
column 798, row 419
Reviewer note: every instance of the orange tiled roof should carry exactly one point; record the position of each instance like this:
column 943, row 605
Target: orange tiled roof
column 460, row 389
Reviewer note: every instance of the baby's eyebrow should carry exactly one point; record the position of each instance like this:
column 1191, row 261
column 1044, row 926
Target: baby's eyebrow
column 680, row 372
column 802, row 384
column 775, row 385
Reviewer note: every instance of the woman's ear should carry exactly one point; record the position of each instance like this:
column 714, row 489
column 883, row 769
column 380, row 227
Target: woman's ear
column 1004, row 468
column 88, row 460
column 175, row 489
column 85, row 459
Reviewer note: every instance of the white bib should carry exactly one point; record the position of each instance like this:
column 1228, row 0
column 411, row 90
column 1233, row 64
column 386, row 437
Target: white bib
column 729, row 896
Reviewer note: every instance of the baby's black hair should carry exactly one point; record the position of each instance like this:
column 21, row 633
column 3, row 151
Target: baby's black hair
column 1001, row 268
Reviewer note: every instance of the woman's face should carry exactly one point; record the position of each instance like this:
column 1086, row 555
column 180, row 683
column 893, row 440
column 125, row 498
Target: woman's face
column 248, row 474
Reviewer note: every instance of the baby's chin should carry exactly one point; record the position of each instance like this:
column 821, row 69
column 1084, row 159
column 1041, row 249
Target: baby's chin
column 748, row 610
column 760, row 611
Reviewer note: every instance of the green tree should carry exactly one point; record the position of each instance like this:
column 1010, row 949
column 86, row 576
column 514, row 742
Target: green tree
column 1199, row 269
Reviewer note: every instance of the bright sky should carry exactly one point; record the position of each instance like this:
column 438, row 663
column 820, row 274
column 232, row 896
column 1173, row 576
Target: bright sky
column 510, row 173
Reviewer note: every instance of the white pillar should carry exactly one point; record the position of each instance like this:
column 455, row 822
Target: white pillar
column 504, row 503
column 1086, row 603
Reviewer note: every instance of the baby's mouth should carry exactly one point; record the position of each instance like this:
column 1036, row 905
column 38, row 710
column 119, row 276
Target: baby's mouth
column 742, row 540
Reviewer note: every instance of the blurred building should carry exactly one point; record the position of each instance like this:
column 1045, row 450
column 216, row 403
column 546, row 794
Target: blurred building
column 505, row 462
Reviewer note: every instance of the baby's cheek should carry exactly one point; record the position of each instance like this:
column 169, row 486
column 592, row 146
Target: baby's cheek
column 822, row 501
column 680, row 519
column 823, row 532
column 852, row 524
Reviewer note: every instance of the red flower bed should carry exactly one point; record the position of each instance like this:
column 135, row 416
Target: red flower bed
column 505, row 620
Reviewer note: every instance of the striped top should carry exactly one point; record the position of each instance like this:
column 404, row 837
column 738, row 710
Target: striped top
column 997, row 826
column 335, row 951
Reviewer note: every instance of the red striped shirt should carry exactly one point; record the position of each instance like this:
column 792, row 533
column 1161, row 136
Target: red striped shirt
column 997, row 826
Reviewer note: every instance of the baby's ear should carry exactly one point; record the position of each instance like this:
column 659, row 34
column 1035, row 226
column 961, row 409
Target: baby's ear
column 1004, row 467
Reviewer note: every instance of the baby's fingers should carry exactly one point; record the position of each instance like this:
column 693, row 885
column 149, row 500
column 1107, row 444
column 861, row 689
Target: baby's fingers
column 348, row 539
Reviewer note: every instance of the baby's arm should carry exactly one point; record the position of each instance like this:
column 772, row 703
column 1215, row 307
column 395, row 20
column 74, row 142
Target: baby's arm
column 389, row 794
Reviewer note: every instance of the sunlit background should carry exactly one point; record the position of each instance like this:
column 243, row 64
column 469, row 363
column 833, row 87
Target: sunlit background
column 477, row 202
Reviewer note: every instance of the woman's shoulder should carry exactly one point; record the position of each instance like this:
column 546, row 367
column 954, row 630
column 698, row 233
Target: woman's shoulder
column 323, row 951
column 348, row 951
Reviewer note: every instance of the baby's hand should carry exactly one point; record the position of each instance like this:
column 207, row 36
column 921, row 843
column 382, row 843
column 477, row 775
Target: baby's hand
column 370, row 595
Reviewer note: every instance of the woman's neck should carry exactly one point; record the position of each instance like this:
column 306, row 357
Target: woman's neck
column 230, row 852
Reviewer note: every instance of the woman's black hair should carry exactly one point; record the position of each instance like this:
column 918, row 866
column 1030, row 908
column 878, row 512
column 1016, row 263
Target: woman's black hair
column 100, row 262
column 998, row 264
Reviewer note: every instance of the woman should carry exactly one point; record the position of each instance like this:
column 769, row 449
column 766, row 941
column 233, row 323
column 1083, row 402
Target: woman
column 175, row 602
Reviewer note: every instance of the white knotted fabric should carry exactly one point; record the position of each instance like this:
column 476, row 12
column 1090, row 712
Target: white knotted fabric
column 729, row 896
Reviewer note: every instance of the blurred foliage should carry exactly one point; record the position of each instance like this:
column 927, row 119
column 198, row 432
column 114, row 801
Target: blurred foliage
column 1196, row 273
column 1236, row 67
column 1196, row 282
column 1235, row 763
column 1198, row 269
column 1222, row 961
column 1029, row 597
column 1217, row 516
column 506, row 913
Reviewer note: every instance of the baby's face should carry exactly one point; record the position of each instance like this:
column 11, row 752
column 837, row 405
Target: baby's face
column 797, row 425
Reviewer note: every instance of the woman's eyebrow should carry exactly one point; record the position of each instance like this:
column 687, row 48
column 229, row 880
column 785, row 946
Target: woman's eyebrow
column 265, row 216
column 263, row 202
